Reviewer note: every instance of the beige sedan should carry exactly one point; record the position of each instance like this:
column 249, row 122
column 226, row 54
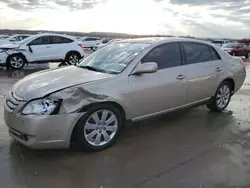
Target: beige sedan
column 128, row 80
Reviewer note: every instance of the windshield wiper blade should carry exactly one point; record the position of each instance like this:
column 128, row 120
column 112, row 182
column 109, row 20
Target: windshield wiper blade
column 90, row 68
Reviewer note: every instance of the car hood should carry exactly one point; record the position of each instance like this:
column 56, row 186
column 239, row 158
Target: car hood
column 8, row 45
column 45, row 82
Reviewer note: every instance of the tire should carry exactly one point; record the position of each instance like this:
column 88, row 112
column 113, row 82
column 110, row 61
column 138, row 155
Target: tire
column 248, row 55
column 63, row 64
column 234, row 54
column 16, row 61
column 72, row 58
column 221, row 98
column 87, row 131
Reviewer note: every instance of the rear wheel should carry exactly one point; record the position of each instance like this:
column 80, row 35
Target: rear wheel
column 16, row 61
column 98, row 128
column 221, row 98
column 72, row 58
column 248, row 55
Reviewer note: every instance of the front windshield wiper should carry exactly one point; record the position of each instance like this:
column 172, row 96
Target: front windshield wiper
column 90, row 68
column 98, row 70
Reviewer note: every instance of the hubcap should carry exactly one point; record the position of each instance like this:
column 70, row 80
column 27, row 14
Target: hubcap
column 223, row 96
column 73, row 59
column 100, row 128
column 16, row 62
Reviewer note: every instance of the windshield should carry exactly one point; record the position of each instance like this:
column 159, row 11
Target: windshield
column 113, row 58
column 26, row 40
column 230, row 45
column 3, row 37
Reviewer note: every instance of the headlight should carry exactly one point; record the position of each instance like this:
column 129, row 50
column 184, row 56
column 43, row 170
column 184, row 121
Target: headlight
column 41, row 107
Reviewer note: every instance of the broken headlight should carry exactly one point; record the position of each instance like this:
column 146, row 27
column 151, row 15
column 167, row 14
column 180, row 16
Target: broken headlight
column 41, row 107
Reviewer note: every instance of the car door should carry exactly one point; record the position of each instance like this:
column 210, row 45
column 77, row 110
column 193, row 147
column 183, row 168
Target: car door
column 39, row 49
column 59, row 47
column 163, row 90
column 204, row 70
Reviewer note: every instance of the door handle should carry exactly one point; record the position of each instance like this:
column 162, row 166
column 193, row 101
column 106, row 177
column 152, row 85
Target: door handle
column 180, row 77
column 218, row 69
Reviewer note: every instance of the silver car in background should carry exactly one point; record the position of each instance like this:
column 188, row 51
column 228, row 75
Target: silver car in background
column 127, row 80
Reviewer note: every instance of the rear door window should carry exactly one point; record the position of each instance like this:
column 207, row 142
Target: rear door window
column 59, row 40
column 196, row 52
column 214, row 54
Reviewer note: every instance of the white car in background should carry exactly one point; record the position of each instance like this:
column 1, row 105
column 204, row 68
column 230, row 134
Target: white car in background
column 3, row 37
column 220, row 42
column 90, row 42
column 13, row 38
column 99, row 46
column 42, row 48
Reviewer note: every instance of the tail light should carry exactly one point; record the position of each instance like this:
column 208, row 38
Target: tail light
column 80, row 44
column 243, row 63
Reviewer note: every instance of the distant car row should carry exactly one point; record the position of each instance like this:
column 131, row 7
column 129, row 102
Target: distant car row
column 43, row 47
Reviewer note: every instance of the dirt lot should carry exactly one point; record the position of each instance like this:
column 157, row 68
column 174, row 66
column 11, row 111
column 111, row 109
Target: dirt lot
column 191, row 148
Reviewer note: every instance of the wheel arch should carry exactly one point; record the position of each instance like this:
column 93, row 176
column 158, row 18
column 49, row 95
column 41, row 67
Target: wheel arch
column 231, row 82
column 85, row 108
column 19, row 53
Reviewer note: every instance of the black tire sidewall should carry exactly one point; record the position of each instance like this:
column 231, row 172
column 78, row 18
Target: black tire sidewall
column 15, row 55
column 79, row 134
column 230, row 88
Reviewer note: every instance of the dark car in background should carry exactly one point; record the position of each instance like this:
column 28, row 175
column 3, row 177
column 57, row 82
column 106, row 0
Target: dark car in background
column 237, row 49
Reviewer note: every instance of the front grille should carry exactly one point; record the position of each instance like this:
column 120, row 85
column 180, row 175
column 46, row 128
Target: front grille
column 12, row 101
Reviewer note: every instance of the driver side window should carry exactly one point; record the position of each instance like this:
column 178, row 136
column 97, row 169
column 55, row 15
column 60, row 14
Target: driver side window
column 40, row 41
column 166, row 55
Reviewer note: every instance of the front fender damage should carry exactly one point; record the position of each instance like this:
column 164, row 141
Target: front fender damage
column 75, row 98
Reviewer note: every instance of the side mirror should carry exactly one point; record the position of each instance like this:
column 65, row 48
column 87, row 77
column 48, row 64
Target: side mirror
column 149, row 67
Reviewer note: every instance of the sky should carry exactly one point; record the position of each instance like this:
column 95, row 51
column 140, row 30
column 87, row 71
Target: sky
column 202, row 18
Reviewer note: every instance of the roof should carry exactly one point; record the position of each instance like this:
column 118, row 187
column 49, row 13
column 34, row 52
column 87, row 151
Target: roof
column 163, row 39
column 55, row 34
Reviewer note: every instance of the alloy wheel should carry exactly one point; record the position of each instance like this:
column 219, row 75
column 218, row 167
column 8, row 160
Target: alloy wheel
column 16, row 62
column 101, row 127
column 73, row 59
column 223, row 96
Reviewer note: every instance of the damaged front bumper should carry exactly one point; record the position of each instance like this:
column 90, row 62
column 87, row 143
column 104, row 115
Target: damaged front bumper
column 41, row 132
column 48, row 131
column 3, row 57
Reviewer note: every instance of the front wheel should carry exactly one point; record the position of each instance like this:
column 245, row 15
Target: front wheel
column 16, row 61
column 221, row 98
column 98, row 128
